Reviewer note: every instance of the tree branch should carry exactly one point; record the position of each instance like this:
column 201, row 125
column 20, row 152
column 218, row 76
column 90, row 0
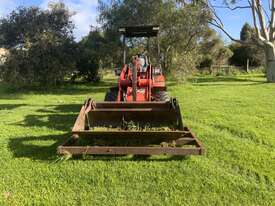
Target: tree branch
column 272, row 21
column 217, row 20
column 261, row 18
column 259, row 35
column 231, row 8
column 224, row 31
column 263, row 33
column 253, row 9
column 189, row 40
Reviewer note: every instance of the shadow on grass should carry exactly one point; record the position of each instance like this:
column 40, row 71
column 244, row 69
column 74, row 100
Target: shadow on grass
column 57, row 117
column 37, row 148
column 44, row 148
column 223, row 79
column 220, row 81
column 11, row 92
column 134, row 158
column 228, row 84
column 70, row 90
column 10, row 106
column 61, row 122
column 62, row 118
column 64, row 108
column 171, row 83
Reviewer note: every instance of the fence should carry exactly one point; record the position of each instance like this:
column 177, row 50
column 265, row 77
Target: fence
column 224, row 69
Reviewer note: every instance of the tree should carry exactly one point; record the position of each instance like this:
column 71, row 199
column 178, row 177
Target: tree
column 91, row 51
column 247, row 33
column 213, row 51
column 248, row 50
column 125, row 13
column 264, row 25
column 178, row 40
column 40, row 43
column 181, row 38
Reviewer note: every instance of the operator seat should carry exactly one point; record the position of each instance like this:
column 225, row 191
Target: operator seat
column 143, row 62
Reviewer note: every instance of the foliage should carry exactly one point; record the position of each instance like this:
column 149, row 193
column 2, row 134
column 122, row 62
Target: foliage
column 213, row 51
column 263, row 13
column 247, row 33
column 4, row 53
column 183, row 66
column 248, row 50
column 189, row 26
column 237, row 169
column 91, row 55
column 179, row 38
column 126, row 13
column 40, row 43
column 87, row 65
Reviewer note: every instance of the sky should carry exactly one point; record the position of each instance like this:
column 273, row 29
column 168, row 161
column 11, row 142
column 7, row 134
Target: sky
column 232, row 20
column 86, row 14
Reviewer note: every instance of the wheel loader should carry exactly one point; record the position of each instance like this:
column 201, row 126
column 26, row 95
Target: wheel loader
column 137, row 116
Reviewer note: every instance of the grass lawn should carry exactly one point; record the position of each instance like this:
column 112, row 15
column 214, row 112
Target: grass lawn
column 234, row 117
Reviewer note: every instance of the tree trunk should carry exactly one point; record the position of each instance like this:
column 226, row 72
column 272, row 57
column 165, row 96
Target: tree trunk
column 247, row 65
column 270, row 64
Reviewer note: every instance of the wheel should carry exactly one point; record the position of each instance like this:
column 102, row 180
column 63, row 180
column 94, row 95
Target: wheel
column 162, row 96
column 111, row 95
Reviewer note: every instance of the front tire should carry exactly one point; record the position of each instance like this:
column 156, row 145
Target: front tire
column 111, row 95
column 162, row 96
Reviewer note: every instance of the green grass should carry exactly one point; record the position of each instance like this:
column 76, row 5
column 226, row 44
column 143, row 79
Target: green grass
column 234, row 117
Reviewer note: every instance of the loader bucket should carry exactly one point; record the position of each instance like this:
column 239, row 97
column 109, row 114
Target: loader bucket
column 138, row 128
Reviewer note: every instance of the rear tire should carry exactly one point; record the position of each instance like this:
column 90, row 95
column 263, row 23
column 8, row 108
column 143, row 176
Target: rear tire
column 162, row 96
column 111, row 95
